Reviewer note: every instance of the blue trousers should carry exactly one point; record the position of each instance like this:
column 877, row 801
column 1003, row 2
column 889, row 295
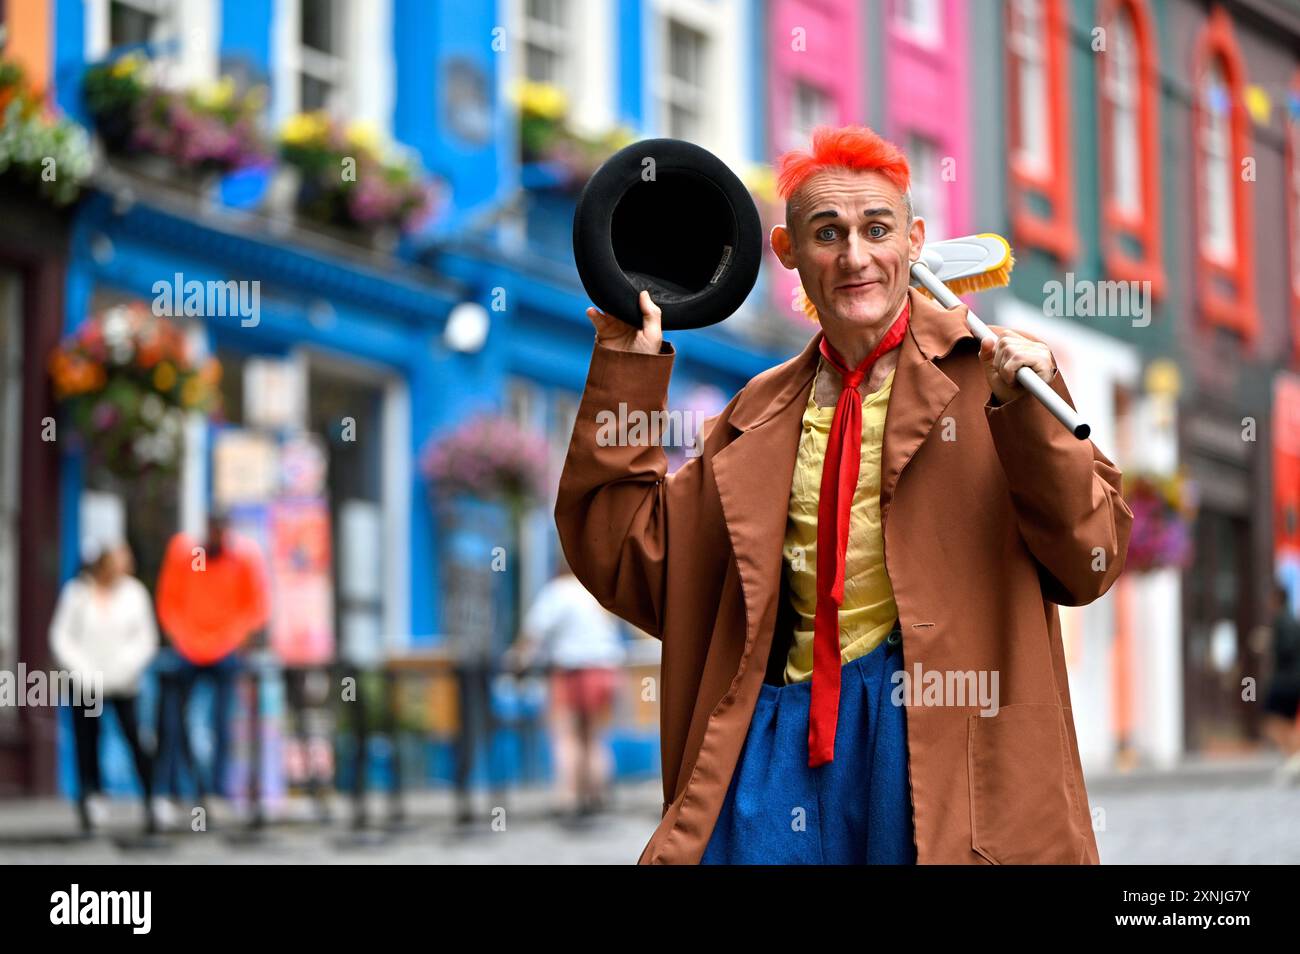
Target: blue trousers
column 856, row 809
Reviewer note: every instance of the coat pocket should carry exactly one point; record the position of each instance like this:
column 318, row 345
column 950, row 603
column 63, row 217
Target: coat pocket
column 1023, row 801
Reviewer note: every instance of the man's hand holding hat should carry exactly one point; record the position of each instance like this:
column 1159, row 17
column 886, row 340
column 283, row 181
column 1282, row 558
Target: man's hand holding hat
column 620, row 336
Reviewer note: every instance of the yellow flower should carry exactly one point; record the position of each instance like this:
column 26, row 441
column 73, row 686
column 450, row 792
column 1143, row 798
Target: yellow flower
column 619, row 137
column 545, row 100
column 305, row 128
column 216, row 95
column 193, row 392
column 255, row 98
column 128, row 65
column 365, row 136
column 164, row 376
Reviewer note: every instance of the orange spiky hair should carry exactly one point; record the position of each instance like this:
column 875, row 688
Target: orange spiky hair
column 844, row 147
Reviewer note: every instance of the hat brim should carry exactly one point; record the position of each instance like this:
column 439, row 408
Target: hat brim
column 667, row 216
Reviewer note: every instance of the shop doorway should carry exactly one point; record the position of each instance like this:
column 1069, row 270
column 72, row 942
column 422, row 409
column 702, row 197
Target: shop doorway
column 1219, row 616
column 355, row 411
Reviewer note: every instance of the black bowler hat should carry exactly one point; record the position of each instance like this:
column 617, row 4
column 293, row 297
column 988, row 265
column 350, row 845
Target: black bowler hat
column 682, row 227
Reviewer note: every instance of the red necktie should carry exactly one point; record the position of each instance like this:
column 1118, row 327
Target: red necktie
column 839, row 482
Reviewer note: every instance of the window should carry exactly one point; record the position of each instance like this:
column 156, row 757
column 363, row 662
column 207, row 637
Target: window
column 135, row 22
column 177, row 35
column 810, row 107
column 1216, row 166
column 322, row 65
column 1224, row 242
column 1121, row 88
column 920, row 20
column 1029, row 76
column 336, row 56
column 683, row 88
column 929, row 196
column 1127, row 91
column 546, row 42
column 1042, row 210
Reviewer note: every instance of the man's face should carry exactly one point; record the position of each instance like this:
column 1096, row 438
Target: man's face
column 848, row 235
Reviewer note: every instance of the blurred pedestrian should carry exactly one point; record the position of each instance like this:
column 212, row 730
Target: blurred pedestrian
column 212, row 596
column 103, row 626
column 571, row 633
column 1283, row 697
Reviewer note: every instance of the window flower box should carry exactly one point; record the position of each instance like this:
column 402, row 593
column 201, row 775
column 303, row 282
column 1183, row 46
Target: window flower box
column 38, row 150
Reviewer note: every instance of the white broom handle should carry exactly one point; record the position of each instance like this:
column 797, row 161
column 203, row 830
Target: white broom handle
column 1032, row 382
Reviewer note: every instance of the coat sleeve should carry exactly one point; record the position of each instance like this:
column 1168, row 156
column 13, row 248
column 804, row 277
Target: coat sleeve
column 1067, row 496
column 611, row 510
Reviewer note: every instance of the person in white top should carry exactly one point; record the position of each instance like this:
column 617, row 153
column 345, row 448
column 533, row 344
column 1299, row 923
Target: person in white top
column 103, row 627
column 571, row 633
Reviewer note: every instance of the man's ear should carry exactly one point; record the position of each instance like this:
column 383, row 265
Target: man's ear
column 783, row 245
column 916, row 238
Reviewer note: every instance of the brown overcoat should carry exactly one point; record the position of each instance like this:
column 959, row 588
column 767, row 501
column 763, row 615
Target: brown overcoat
column 992, row 516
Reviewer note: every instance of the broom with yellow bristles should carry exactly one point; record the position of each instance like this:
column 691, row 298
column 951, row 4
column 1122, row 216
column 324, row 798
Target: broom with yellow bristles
column 974, row 263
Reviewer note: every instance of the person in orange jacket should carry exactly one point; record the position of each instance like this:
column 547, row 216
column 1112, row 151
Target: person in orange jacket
column 212, row 596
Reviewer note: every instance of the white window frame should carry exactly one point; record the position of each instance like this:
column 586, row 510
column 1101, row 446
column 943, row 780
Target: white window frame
column 588, row 71
column 929, row 197
column 798, row 135
column 330, row 68
column 1121, row 85
column 365, row 62
column 722, row 22
column 556, row 39
column 1027, row 38
column 921, row 21
column 679, row 93
column 1217, row 196
column 195, row 22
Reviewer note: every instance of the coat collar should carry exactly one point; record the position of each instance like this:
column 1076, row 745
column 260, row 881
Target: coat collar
column 933, row 331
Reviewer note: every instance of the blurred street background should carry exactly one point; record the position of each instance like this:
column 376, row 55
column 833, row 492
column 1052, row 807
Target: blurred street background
column 287, row 291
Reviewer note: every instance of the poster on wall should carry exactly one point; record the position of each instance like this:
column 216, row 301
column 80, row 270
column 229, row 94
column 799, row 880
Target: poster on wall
column 1286, row 483
column 244, row 468
column 302, row 616
column 302, row 466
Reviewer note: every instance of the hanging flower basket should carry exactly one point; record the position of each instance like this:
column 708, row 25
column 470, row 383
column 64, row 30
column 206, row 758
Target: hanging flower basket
column 1164, row 507
column 126, row 378
column 488, row 457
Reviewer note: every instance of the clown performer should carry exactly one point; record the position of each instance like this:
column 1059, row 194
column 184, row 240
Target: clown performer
column 856, row 581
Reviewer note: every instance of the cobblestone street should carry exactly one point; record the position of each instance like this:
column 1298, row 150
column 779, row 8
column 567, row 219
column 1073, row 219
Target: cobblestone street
column 1239, row 817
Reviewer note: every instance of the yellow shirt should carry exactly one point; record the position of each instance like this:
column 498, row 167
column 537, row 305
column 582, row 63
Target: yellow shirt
column 868, row 613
